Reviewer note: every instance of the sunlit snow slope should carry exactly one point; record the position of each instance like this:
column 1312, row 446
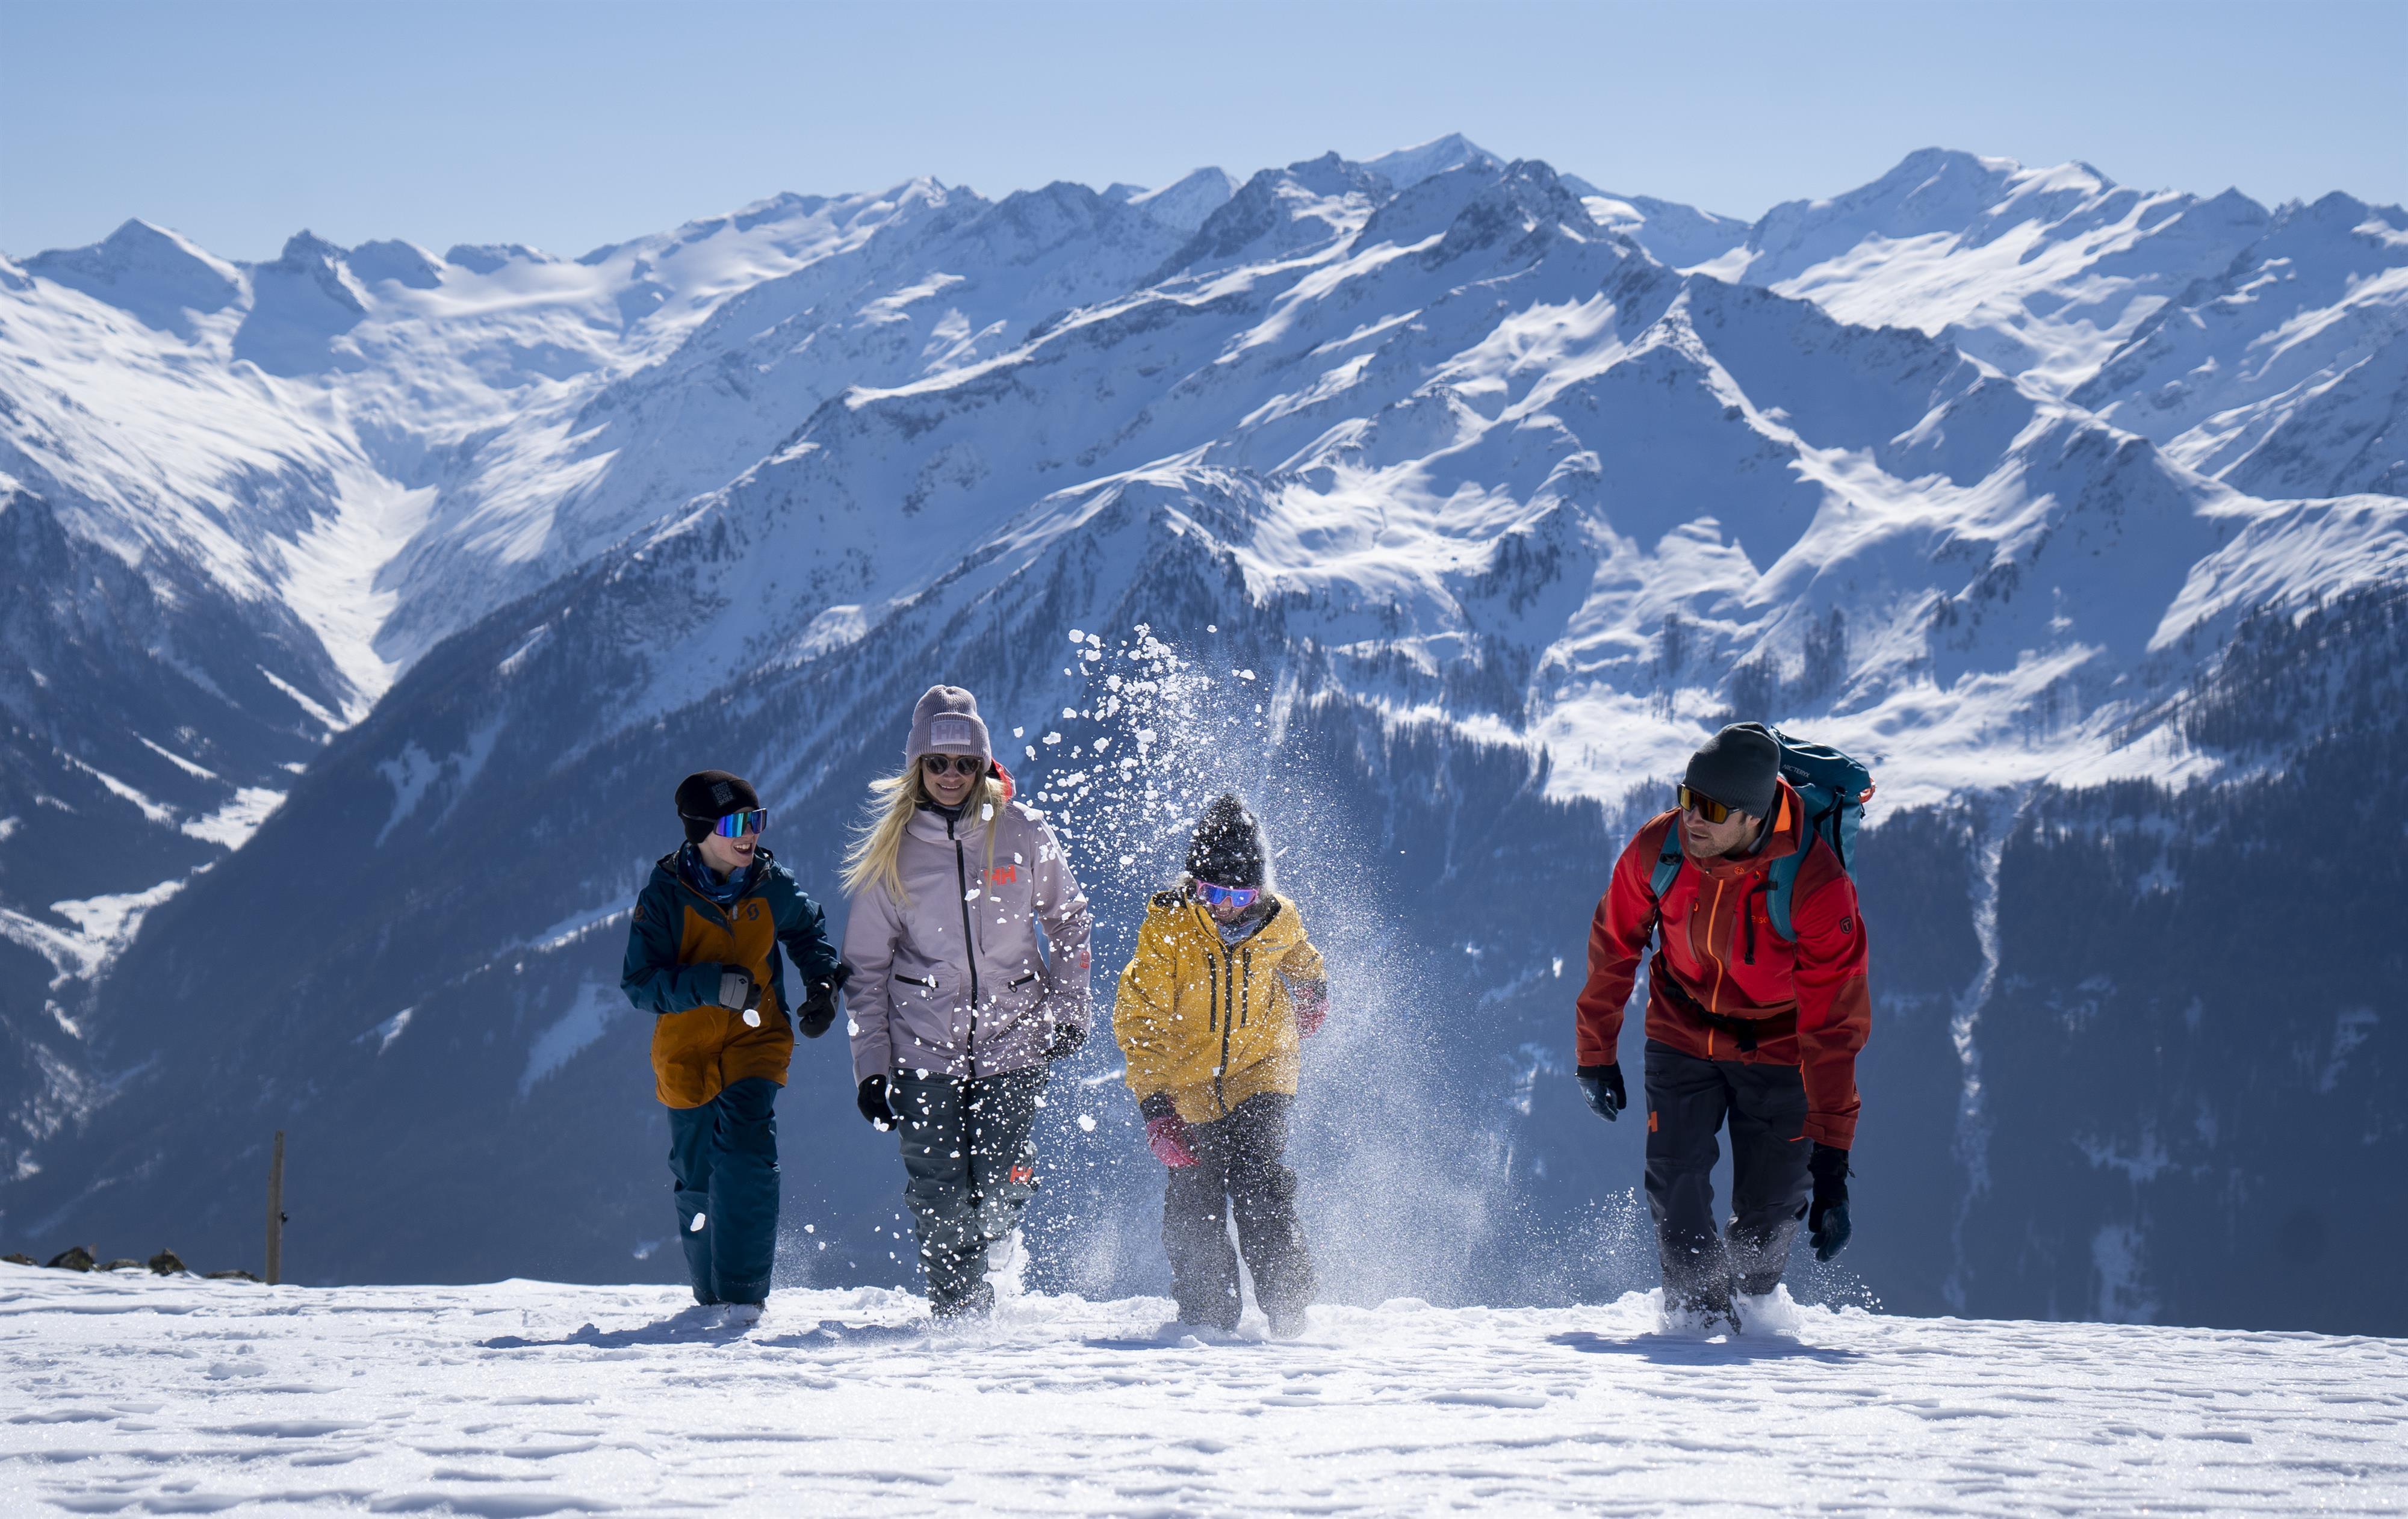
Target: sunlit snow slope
column 144, row 1396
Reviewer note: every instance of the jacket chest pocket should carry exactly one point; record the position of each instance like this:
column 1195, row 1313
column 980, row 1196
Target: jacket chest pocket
column 922, row 999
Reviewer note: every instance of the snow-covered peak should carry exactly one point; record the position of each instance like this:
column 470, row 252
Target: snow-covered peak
column 403, row 263
column 1681, row 236
column 490, row 258
column 2255, row 345
column 160, row 278
column 1183, row 204
column 1311, row 203
column 1408, row 166
column 299, row 305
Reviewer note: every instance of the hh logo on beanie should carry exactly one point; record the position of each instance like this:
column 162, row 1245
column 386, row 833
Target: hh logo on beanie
column 953, row 732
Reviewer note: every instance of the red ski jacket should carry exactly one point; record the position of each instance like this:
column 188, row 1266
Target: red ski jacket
column 1733, row 980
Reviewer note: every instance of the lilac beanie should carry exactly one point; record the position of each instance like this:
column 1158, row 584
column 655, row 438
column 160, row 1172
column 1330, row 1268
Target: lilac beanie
column 947, row 722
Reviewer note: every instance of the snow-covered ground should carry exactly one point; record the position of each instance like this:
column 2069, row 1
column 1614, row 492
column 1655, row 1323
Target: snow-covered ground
column 131, row 1394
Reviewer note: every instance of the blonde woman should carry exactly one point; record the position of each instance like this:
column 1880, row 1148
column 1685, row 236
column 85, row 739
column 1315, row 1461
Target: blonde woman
column 958, row 1011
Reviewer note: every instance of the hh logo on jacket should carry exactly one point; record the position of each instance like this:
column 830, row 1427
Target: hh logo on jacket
column 1004, row 875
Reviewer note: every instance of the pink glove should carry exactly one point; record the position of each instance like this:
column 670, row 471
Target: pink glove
column 1166, row 1137
column 1311, row 1008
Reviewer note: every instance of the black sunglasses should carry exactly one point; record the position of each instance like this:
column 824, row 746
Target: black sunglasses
column 958, row 764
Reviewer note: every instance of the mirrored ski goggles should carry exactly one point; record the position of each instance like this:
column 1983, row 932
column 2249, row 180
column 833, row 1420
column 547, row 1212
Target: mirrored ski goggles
column 1704, row 805
column 736, row 824
column 1236, row 897
column 958, row 764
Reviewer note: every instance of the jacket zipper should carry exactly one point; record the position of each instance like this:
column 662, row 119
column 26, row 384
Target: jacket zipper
column 1219, row 988
column 969, row 942
column 1713, row 911
column 1228, row 1021
column 1747, row 915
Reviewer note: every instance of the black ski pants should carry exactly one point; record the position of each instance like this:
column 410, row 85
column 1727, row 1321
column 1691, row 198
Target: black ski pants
column 724, row 1167
column 973, row 1168
column 1688, row 1100
column 1240, row 1168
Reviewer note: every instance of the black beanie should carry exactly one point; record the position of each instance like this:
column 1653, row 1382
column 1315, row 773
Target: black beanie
column 1740, row 766
column 707, row 796
column 1228, row 847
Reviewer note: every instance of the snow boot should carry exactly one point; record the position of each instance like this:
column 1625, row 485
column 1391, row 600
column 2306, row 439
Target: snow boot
column 1700, row 1311
column 977, row 1303
column 1007, row 1267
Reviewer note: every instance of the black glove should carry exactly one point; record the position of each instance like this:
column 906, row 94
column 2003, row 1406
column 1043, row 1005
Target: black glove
column 1602, row 1086
column 736, row 989
column 1067, row 1040
column 875, row 1105
column 819, row 1008
column 1826, row 1216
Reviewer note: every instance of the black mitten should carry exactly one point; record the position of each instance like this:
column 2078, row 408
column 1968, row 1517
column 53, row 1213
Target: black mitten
column 1067, row 1040
column 1602, row 1086
column 1826, row 1217
column 819, row 1008
column 875, row 1105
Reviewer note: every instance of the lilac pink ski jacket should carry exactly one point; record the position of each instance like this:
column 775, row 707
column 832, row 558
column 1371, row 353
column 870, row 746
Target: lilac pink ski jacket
column 950, row 978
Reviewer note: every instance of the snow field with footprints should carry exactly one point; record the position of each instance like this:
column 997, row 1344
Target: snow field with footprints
column 135, row 1395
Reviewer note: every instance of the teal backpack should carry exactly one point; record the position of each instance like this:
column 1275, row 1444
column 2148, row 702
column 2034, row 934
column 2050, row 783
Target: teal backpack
column 1833, row 787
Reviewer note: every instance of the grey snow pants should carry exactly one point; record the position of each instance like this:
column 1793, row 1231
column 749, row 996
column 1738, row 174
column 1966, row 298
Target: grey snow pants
column 1240, row 1168
column 971, row 1167
column 1688, row 1100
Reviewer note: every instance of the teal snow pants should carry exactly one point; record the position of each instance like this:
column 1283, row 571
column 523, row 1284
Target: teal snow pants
column 724, row 1160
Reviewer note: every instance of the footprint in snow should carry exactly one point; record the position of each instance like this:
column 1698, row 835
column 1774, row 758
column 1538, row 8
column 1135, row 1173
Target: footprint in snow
column 1492, row 1401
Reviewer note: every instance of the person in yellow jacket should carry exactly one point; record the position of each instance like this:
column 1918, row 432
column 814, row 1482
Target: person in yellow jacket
column 1212, row 1013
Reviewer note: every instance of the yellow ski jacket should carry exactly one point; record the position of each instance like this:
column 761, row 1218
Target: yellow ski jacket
column 1209, row 1023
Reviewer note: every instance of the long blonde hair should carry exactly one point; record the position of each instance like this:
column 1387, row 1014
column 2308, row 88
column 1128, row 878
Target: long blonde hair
column 871, row 859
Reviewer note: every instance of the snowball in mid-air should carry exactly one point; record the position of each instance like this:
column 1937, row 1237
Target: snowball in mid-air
column 1086, row 1124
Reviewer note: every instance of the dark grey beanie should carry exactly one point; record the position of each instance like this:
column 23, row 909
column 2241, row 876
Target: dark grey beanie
column 1740, row 766
column 1228, row 850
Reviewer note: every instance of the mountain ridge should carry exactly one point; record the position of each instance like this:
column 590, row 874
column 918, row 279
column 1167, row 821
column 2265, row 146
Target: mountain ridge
column 1454, row 494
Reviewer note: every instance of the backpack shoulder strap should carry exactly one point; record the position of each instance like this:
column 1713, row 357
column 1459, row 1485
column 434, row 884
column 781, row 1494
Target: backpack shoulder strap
column 1781, row 883
column 1668, row 860
column 1781, row 876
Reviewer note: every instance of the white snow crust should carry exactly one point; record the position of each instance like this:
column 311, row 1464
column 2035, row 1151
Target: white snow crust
column 132, row 1394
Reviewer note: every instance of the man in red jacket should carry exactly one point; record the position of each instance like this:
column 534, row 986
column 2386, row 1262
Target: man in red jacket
column 1743, row 1024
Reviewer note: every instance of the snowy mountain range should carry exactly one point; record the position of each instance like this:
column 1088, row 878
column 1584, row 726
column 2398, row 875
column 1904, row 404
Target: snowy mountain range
column 372, row 600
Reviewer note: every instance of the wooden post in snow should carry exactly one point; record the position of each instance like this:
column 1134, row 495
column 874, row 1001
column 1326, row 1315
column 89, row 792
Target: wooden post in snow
column 276, row 1212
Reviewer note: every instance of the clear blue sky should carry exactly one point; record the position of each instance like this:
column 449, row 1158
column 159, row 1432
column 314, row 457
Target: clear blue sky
column 570, row 124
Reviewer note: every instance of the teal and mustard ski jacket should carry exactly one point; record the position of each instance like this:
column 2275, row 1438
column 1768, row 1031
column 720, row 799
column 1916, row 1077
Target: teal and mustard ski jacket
column 676, row 943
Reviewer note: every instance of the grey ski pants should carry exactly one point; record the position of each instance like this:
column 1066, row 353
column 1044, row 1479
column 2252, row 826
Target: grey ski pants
column 1688, row 1100
column 971, row 1167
